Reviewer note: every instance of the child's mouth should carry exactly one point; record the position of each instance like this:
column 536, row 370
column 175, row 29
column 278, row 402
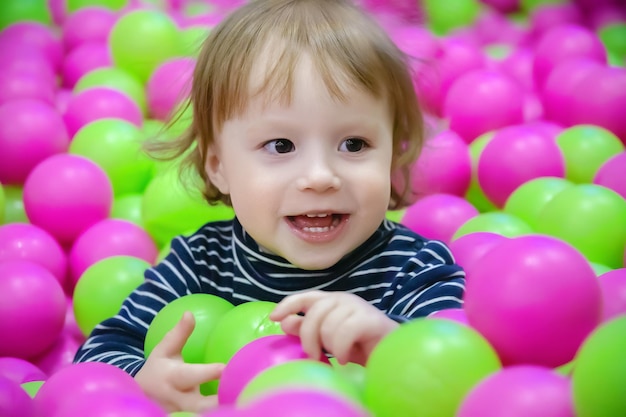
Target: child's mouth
column 317, row 226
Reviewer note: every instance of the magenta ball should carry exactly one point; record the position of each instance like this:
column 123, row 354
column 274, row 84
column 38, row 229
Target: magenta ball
column 514, row 156
column 60, row 355
column 470, row 248
column 535, row 299
column 15, row 85
column 32, row 306
column 565, row 42
column 20, row 370
column 98, row 103
column 253, row 358
column 83, row 59
column 612, row 174
column 79, row 380
column 455, row 314
column 445, row 166
column 168, row 86
column 438, row 216
column 613, row 286
column 24, row 241
column 15, row 58
column 548, row 16
column 483, row 100
column 14, row 401
column 295, row 402
column 66, row 194
column 111, row 404
column 106, row 238
column 30, row 131
column 520, row 391
column 503, row 6
column 35, row 36
column 87, row 24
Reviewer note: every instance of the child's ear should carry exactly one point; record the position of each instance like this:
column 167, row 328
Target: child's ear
column 215, row 169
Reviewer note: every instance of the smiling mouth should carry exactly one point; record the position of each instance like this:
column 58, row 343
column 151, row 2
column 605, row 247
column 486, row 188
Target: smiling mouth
column 317, row 223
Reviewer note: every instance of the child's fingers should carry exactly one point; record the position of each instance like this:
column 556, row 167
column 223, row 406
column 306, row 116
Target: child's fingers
column 297, row 303
column 173, row 342
column 291, row 324
column 191, row 375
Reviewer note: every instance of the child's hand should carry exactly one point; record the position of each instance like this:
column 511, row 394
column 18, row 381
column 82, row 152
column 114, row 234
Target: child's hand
column 342, row 324
column 174, row 384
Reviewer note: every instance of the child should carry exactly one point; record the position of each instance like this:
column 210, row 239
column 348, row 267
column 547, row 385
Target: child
column 303, row 111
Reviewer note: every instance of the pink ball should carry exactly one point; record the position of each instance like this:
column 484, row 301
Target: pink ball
column 470, row 248
column 565, row 42
column 37, row 36
column 66, row 194
column 438, row 216
column 111, row 404
column 14, row 401
column 30, row 131
column 535, row 299
column 613, row 286
column 83, row 59
column 168, row 86
column 60, row 355
column 503, row 6
column 253, row 358
column 17, row 59
column 98, row 103
column 481, row 101
column 16, row 85
column 612, row 174
column 79, row 380
column 519, row 66
column 87, row 24
column 455, row 314
column 20, row 370
column 33, row 309
column 444, row 166
column 27, row 242
column 520, row 391
column 57, row 11
column 296, row 402
column 515, row 155
column 109, row 237
column 548, row 16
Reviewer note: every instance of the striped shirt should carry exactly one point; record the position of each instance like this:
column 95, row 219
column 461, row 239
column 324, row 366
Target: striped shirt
column 401, row 273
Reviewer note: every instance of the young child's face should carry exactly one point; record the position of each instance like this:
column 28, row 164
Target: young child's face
column 309, row 181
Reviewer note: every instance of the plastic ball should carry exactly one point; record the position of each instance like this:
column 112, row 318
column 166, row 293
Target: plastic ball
column 475, row 194
column 14, row 401
column 207, row 310
column 549, row 16
column 103, row 287
column 234, row 330
column 586, row 148
column 455, row 314
column 142, row 39
column 66, row 194
column 494, row 222
column 115, row 145
column 112, row 404
column 14, row 11
column 613, row 36
column 116, row 79
column 18, row 59
column 613, row 286
column 84, row 59
column 106, row 238
column 32, row 387
column 520, row 391
column 535, row 298
column 14, row 205
column 529, row 199
column 30, row 132
column 598, row 378
column 453, row 14
column 2, row 203
column 612, row 173
column 88, row 24
column 60, row 355
column 515, row 155
column 128, row 207
column 75, row 5
column 15, row 85
column 36, row 36
column 591, row 218
column 20, row 370
column 99, row 103
column 471, row 247
column 438, row 216
column 76, row 381
column 304, row 403
column 191, row 39
column 33, row 309
column 169, row 86
column 481, row 101
column 444, row 166
column 422, row 365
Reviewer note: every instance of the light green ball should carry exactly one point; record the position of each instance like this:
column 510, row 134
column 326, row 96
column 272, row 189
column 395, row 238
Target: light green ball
column 103, row 287
column 443, row 16
column 32, row 387
column 530, row 5
column 128, row 207
column 2, row 204
column 73, row 5
column 475, row 194
column 15, row 11
column 143, row 39
column 497, row 222
column 192, row 39
column 14, row 205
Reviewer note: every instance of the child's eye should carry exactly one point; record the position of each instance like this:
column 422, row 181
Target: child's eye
column 352, row 145
column 279, row 146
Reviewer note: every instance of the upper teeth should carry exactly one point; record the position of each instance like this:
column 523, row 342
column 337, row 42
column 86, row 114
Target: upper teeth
column 318, row 215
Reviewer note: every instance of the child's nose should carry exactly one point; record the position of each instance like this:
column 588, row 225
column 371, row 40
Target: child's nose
column 319, row 175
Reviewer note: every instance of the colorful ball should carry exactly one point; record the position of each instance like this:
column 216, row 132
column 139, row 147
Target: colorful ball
column 471, row 247
column 535, row 298
column 494, row 222
column 422, row 365
column 613, row 286
column 84, row 59
column 66, row 194
column 33, row 309
column 88, row 24
column 115, row 79
column 14, row 401
column 14, row 205
column 612, row 173
column 36, row 36
column 169, row 87
column 128, row 207
column 75, row 5
column 110, row 404
column 20, row 370
column 15, row 85
column 453, row 14
column 455, row 314
column 60, row 355
column 300, row 402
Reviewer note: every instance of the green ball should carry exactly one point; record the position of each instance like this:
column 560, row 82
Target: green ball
column 238, row 327
column 428, row 365
column 613, row 36
column 599, row 377
column 32, row 387
column 14, row 205
column 353, row 372
column 304, row 373
column 585, row 149
column 495, row 222
column 191, row 39
column 444, row 16
column 600, row 269
column 207, row 310
column 116, row 79
column 395, row 215
column 527, row 200
column 143, row 39
column 530, row 5
column 475, row 194
column 116, row 146
column 2, row 204
column 128, row 207
column 73, row 5
column 591, row 218
column 15, row 11
column 103, row 287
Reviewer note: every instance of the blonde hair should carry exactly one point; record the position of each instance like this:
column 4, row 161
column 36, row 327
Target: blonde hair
column 349, row 50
